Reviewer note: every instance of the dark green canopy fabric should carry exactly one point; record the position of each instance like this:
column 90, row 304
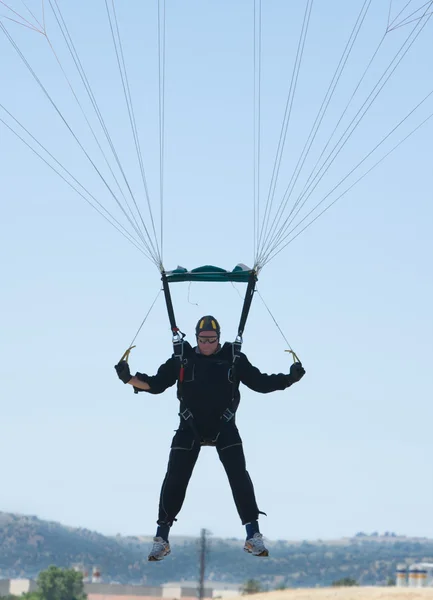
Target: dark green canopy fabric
column 240, row 273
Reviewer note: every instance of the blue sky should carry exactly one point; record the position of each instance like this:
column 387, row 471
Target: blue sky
column 348, row 448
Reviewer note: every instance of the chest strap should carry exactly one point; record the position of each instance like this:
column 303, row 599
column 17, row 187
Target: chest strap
column 229, row 413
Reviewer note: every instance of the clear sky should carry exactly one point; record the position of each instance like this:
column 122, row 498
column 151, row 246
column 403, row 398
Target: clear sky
column 347, row 449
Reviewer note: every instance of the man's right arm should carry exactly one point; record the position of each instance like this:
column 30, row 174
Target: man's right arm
column 165, row 377
column 140, row 386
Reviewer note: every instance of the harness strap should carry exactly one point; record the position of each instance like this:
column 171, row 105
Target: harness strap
column 229, row 412
column 227, row 415
column 178, row 351
column 236, row 353
column 237, row 344
column 188, row 417
column 178, row 336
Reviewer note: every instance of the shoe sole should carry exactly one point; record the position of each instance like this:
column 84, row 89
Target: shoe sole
column 154, row 559
column 262, row 553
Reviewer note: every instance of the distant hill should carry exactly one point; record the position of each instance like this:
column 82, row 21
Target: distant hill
column 29, row 545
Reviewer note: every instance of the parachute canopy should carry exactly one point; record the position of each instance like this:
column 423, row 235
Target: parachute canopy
column 241, row 273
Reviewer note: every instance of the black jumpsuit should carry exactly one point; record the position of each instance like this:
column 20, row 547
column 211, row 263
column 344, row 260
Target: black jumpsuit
column 207, row 390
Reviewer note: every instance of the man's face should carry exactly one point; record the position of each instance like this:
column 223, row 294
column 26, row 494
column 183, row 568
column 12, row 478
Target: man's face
column 207, row 342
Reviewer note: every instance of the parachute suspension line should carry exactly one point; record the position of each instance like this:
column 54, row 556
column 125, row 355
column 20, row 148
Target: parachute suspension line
column 292, row 352
column 63, row 118
column 117, row 42
column 389, row 15
column 319, row 118
column 358, row 85
column 131, row 345
column 273, row 231
column 71, row 47
column 101, row 210
column 352, row 171
column 63, row 27
column 389, row 71
column 304, row 195
column 406, row 22
column 400, row 13
column 31, row 27
column 161, row 103
column 38, row 81
column 286, row 121
column 26, row 23
column 78, row 65
column 43, row 15
column 30, row 12
column 377, row 163
column 257, row 62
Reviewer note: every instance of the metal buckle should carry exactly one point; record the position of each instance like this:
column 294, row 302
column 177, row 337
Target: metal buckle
column 236, row 351
column 228, row 415
column 178, row 349
column 237, row 347
column 186, row 412
column 178, row 341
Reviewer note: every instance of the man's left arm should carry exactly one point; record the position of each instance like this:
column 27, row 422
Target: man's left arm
column 264, row 383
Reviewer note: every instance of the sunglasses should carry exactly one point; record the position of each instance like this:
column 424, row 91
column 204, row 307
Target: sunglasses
column 207, row 340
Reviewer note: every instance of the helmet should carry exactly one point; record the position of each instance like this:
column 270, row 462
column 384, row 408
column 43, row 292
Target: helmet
column 208, row 323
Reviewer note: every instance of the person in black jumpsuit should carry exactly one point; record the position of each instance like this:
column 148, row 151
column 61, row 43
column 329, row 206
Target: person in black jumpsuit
column 208, row 391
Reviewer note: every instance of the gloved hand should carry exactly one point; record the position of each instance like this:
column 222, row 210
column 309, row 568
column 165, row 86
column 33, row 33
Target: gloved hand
column 297, row 372
column 123, row 371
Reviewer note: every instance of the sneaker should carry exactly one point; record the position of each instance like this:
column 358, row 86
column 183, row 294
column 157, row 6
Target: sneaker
column 256, row 546
column 160, row 549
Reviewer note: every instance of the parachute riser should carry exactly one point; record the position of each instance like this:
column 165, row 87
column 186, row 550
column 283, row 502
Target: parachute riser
column 177, row 334
column 237, row 344
column 249, row 294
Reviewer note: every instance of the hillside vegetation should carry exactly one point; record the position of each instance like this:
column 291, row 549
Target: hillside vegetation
column 29, row 545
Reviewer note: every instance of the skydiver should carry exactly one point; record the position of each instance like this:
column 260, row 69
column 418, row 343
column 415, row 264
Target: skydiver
column 209, row 396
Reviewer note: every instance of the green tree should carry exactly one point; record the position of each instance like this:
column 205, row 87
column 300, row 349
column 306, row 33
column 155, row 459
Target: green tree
column 27, row 596
column 344, row 582
column 252, row 586
column 60, row 584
